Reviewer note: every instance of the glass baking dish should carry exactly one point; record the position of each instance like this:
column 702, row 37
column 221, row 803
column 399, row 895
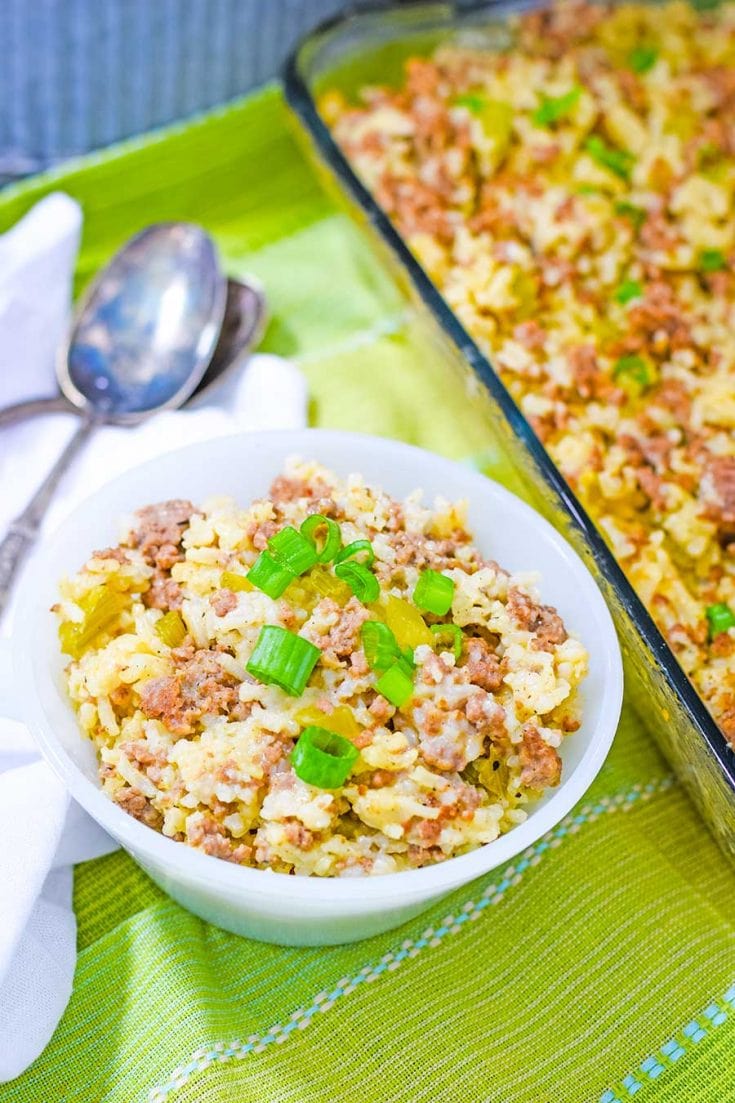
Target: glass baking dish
column 367, row 45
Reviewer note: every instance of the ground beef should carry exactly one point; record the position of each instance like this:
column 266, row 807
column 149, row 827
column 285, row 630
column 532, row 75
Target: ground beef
column 261, row 533
column 163, row 593
column 316, row 491
column 118, row 553
column 211, row 837
column 298, row 835
column 139, row 807
column 138, row 751
column 540, row 764
column 223, row 602
column 382, row 710
column 200, row 687
column 482, row 665
column 159, row 530
column 718, row 492
column 120, row 697
column 543, row 620
column 342, row 639
column 415, row 550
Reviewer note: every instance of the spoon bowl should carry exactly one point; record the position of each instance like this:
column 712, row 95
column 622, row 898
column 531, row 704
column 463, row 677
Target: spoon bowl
column 147, row 328
column 246, row 314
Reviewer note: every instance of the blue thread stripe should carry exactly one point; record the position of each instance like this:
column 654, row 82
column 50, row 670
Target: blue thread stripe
column 673, row 1050
column 694, row 1031
column 651, row 1067
column 430, row 937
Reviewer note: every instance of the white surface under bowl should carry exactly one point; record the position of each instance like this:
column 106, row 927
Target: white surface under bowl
column 261, row 904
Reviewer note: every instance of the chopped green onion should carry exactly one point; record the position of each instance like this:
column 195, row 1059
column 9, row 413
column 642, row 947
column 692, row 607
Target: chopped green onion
column 553, row 110
column 472, row 101
column 332, row 538
column 171, row 628
column 395, row 685
column 406, row 661
column 628, row 210
column 379, row 645
column 720, row 617
column 293, row 550
column 323, row 758
column 270, row 576
column 712, row 260
column 236, row 582
column 434, row 592
column 381, row 648
column 283, row 659
column 361, row 581
column 449, row 632
column 635, row 371
column 619, row 161
column 642, row 58
column 627, row 291
column 357, row 547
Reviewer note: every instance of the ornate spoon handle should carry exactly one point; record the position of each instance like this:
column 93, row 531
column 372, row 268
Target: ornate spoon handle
column 22, row 533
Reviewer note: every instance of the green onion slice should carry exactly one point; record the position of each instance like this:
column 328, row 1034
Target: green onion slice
column 325, row 552
column 357, row 547
column 555, row 109
column 642, row 58
column 270, row 576
column 720, row 617
column 379, row 645
column 619, row 161
column 629, row 210
column 395, row 685
column 282, row 658
column 473, row 101
column 634, row 372
column 323, row 758
column 451, row 633
column 627, row 291
column 712, row 260
column 434, row 592
column 293, row 550
column 170, row 628
column 361, row 581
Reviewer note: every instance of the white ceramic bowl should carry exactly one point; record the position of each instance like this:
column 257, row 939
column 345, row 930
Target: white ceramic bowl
column 271, row 906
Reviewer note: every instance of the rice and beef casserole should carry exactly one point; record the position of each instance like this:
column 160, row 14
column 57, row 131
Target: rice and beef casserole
column 572, row 196
column 327, row 682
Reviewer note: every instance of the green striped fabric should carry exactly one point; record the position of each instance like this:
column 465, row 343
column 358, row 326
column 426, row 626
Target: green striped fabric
column 598, row 967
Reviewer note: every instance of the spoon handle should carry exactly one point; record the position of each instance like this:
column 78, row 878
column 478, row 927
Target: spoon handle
column 22, row 533
column 55, row 404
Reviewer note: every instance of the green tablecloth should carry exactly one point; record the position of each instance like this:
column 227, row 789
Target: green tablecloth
column 597, row 967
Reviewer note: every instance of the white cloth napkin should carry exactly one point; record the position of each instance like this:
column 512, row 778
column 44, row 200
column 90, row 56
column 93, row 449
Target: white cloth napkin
column 43, row 833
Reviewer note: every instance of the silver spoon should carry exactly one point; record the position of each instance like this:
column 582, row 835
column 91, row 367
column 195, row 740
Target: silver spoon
column 143, row 337
column 245, row 317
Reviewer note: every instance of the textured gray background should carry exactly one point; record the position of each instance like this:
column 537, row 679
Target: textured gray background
column 79, row 74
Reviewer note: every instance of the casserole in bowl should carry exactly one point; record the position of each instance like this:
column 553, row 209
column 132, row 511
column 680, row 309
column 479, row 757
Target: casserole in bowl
column 257, row 902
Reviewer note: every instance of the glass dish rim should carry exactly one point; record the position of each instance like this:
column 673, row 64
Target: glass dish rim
column 301, row 101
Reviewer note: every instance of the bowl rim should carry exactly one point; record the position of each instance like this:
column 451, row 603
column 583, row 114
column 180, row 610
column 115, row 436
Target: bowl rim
column 184, row 863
